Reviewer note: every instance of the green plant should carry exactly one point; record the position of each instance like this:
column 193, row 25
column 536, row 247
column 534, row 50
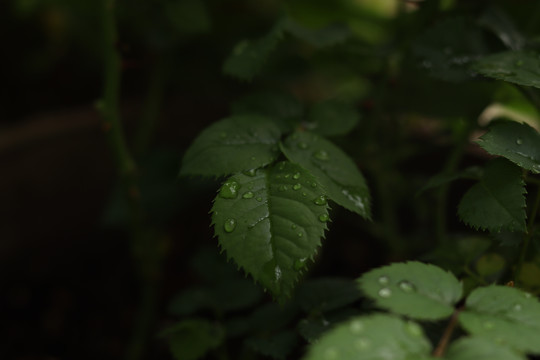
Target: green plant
column 273, row 207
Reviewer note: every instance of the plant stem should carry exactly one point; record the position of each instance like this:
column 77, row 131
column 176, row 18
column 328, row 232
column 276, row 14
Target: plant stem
column 143, row 246
column 447, row 335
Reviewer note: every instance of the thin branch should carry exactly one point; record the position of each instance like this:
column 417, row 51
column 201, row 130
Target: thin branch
column 447, row 335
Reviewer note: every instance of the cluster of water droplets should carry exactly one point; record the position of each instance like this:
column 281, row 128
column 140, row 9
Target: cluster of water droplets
column 385, row 291
column 535, row 167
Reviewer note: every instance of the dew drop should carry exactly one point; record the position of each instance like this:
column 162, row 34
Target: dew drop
column 300, row 234
column 413, row 328
column 519, row 141
column 229, row 190
column 296, row 176
column 385, row 293
column 362, row 344
column 304, row 194
column 321, row 155
column 287, row 176
column 250, row 172
column 488, row 325
column 517, row 307
column 248, row 195
column 384, row 280
column 324, row 218
column 320, row 200
column 300, row 264
column 230, row 225
column 297, row 187
column 294, row 226
column 313, row 184
column 528, row 295
column 259, row 199
column 406, row 286
column 302, row 145
column 277, row 273
column 283, row 188
column 356, row 326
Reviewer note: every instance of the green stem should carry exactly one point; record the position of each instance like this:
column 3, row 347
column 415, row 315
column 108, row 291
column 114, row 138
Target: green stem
column 143, row 246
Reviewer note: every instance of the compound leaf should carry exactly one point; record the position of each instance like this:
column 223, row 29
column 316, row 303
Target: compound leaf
column 249, row 56
column 231, row 145
column 341, row 179
column 517, row 142
column 414, row 289
column 375, row 337
column 497, row 201
column 474, row 348
column 505, row 315
column 270, row 221
column 191, row 339
column 517, row 67
column 331, row 118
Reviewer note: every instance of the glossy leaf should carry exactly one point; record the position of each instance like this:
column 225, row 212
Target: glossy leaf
column 497, row 201
column 231, row 145
column 193, row 338
column 505, row 315
column 477, row 348
column 517, row 142
column 414, row 289
column 270, row 221
column 331, row 118
column 447, row 49
column 341, row 179
column 375, row 337
column 249, row 56
column 517, row 67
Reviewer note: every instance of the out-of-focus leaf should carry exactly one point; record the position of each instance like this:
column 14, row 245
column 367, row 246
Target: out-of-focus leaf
column 499, row 22
column 191, row 339
column 474, row 348
column 327, row 294
column 331, row 118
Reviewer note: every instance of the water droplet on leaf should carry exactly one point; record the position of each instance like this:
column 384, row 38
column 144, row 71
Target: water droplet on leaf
column 283, row 188
column 251, row 172
column 385, row 293
column 300, row 263
column 320, row 200
column 413, row 328
column 519, row 141
column 230, row 225
column 321, row 155
column 324, row 218
column 229, row 190
column 384, row 280
column 259, row 199
column 294, row 226
column 304, row 194
column 356, row 326
column 300, row 234
column 297, row 186
column 248, row 195
column 406, row 286
column 517, row 307
column 277, row 273
column 296, row 176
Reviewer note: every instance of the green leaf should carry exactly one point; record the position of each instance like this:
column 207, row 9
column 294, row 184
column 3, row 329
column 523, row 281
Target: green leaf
column 249, row 56
column 375, row 337
column 331, row 118
column 414, row 289
column 270, row 222
column 446, row 50
column 490, row 265
column 187, row 16
column 505, row 315
column 322, row 37
column 282, row 108
column 333, row 168
column 191, row 339
column 517, row 67
column 517, row 142
column 277, row 346
column 327, row 294
column 497, row 201
column 231, row 145
column 477, row 348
